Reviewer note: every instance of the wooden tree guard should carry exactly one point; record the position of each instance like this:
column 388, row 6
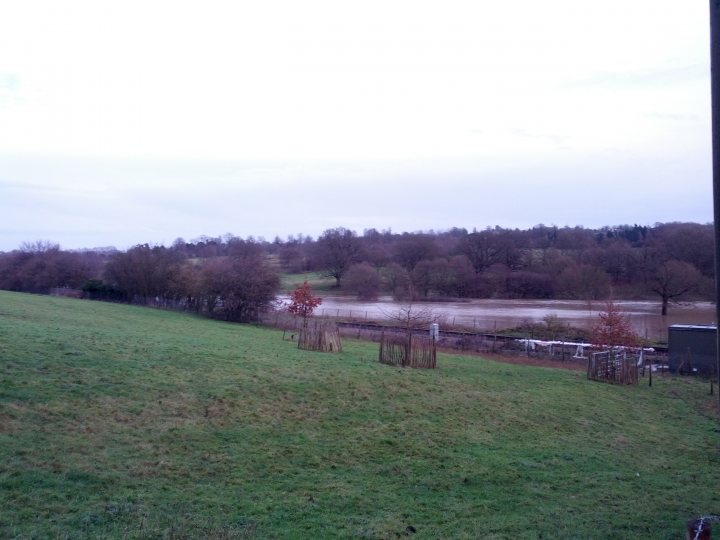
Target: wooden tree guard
column 612, row 367
column 320, row 336
column 408, row 351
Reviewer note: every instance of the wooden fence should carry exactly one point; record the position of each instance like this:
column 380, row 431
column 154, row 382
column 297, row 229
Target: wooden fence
column 320, row 336
column 408, row 351
column 613, row 367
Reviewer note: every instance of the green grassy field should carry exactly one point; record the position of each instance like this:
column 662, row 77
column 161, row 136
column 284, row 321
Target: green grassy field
column 125, row 422
column 319, row 281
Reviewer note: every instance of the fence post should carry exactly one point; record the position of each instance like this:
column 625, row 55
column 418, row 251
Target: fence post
column 494, row 342
column 408, row 351
column 434, row 352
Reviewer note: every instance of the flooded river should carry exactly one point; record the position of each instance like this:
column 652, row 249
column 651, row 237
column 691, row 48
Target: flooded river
column 487, row 315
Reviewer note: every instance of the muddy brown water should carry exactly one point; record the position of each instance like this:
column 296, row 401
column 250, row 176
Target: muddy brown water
column 488, row 315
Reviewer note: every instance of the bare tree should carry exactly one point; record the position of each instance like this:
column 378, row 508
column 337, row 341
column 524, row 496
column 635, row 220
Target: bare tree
column 583, row 282
column 186, row 287
column 397, row 281
column 689, row 242
column 411, row 317
column 39, row 246
column 464, row 277
column 144, row 271
column 363, row 280
column 337, row 249
column 239, row 288
column 672, row 280
column 410, row 249
column 41, row 266
column 488, row 247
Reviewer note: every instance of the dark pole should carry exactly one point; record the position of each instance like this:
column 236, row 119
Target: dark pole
column 715, row 93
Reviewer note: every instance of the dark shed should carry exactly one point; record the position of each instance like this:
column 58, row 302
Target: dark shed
column 692, row 349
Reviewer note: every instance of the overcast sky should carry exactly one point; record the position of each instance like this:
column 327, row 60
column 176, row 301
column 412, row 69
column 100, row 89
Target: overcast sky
column 143, row 121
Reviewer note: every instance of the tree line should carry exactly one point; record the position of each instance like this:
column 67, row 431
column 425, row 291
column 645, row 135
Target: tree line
column 235, row 278
column 234, row 286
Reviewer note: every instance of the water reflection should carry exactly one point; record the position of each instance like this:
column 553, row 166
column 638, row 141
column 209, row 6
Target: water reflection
column 488, row 314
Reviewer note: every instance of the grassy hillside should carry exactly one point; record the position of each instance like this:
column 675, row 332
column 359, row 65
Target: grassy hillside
column 124, row 422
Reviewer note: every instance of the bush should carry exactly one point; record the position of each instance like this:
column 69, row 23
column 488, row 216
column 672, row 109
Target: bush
column 362, row 280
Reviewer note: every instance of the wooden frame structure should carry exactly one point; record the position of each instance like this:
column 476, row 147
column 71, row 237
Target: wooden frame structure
column 408, row 351
column 320, row 336
column 613, row 366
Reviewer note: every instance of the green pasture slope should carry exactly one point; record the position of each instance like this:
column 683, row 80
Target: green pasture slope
column 125, row 422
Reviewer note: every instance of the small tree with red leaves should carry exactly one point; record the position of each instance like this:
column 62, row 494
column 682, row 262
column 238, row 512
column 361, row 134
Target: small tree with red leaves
column 614, row 329
column 303, row 302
